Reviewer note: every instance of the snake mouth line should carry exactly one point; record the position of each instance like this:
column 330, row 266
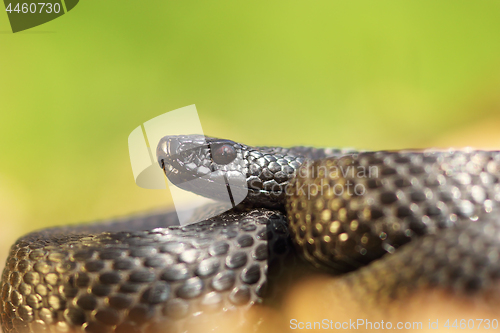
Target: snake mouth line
column 170, row 171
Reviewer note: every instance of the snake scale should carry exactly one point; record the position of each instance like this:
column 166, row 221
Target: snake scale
column 389, row 222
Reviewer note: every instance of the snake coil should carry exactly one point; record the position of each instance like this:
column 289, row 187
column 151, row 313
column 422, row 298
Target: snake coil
column 404, row 219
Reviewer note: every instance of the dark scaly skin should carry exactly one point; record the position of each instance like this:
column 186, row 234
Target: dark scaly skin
column 123, row 281
column 143, row 281
column 445, row 203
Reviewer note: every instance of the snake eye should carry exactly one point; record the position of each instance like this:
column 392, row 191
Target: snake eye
column 223, row 153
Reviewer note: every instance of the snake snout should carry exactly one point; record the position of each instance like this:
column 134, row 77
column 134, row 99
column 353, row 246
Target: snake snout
column 164, row 150
column 176, row 150
column 184, row 158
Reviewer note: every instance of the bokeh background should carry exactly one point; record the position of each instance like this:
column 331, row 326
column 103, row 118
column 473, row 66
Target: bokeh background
column 367, row 74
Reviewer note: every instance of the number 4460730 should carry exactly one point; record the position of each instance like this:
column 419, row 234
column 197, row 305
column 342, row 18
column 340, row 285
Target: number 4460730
column 486, row 323
column 34, row 8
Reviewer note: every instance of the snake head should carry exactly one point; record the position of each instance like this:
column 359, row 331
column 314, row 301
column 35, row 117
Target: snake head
column 209, row 166
column 203, row 165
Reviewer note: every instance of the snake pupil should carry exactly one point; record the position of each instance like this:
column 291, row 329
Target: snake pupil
column 223, row 153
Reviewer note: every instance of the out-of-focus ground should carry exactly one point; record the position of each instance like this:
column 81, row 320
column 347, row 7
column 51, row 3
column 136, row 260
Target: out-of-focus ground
column 316, row 305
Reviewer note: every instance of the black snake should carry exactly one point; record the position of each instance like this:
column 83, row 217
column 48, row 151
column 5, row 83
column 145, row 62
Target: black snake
column 338, row 209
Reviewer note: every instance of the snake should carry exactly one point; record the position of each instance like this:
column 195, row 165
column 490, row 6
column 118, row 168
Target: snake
column 385, row 223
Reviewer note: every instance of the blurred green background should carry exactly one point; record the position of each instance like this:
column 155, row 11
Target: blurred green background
column 368, row 74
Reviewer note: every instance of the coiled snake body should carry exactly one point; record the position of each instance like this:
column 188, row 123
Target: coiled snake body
column 343, row 211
